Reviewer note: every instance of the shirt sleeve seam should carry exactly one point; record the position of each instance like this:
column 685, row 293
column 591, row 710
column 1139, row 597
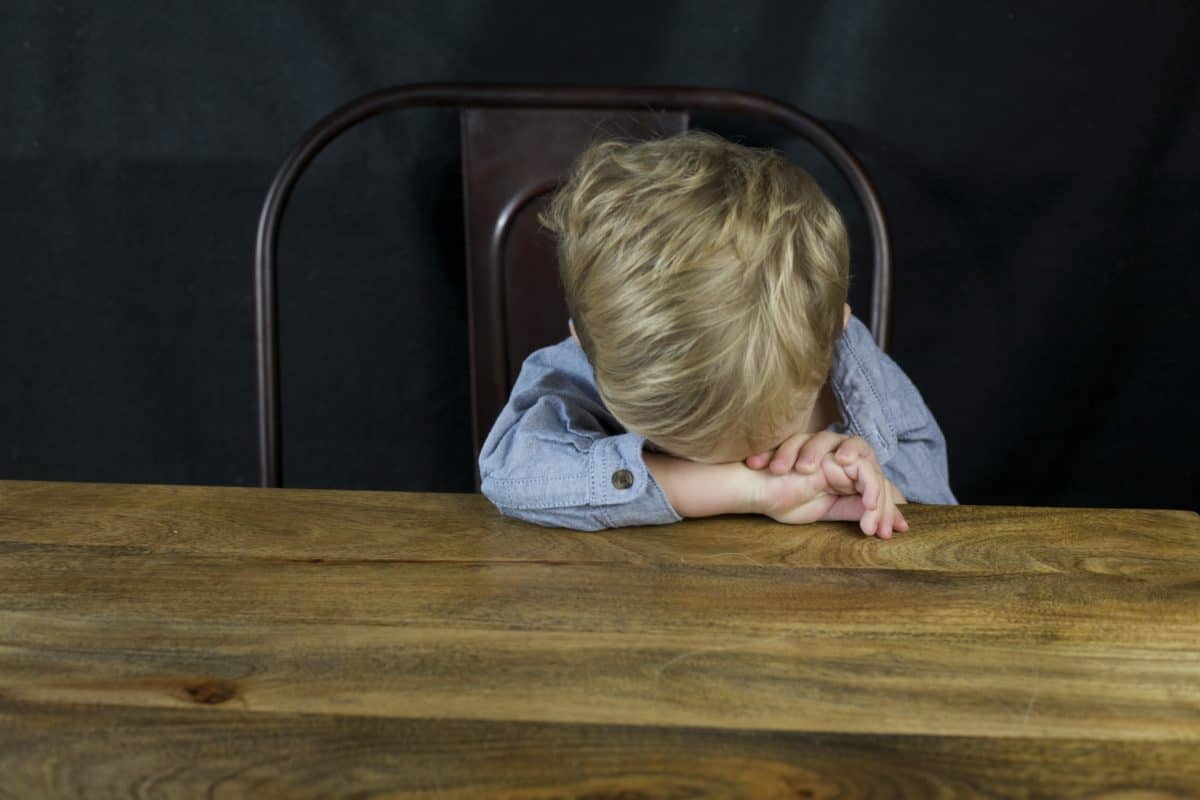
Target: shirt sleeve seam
column 546, row 479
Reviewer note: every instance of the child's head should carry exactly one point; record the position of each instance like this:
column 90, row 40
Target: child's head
column 706, row 283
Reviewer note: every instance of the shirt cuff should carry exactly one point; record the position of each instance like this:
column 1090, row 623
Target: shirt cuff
column 621, row 487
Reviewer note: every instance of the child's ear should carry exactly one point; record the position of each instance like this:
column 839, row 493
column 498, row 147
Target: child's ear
column 845, row 317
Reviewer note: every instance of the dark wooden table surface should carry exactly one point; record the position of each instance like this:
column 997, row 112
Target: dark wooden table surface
column 167, row 641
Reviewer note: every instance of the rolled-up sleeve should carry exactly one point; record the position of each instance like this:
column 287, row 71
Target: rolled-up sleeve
column 556, row 457
column 880, row 403
column 920, row 468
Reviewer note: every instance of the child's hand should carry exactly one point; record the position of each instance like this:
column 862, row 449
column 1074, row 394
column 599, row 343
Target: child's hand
column 796, row 498
column 850, row 472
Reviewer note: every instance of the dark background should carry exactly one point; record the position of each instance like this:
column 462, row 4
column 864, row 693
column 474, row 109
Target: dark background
column 1040, row 164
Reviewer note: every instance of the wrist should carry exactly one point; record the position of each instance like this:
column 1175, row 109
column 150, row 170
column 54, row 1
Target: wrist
column 701, row 490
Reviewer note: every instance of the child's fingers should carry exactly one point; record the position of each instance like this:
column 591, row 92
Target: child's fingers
column 887, row 511
column 785, row 455
column 866, row 481
column 836, row 479
column 850, row 507
column 808, row 457
column 869, row 521
column 883, row 520
column 854, row 447
column 899, row 523
column 759, row 460
column 871, row 485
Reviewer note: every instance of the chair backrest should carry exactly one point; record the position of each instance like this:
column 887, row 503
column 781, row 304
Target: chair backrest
column 517, row 141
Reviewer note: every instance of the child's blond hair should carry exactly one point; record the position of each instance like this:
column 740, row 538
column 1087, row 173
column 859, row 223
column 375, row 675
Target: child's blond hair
column 705, row 281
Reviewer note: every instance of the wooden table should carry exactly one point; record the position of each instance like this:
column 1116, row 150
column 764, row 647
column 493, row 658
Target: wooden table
column 180, row 640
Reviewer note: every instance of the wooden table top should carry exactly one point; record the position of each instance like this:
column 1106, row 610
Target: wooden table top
column 183, row 640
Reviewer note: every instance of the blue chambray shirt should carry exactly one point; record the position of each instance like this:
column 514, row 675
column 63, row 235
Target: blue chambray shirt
column 551, row 455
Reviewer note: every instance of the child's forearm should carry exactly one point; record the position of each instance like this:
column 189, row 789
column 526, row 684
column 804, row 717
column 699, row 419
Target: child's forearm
column 703, row 490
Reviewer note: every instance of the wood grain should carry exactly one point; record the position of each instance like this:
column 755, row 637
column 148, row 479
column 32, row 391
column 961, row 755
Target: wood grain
column 130, row 752
column 174, row 641
column 363, row 526
column 868, row 683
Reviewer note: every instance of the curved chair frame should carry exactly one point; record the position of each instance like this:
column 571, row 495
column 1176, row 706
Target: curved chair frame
column 270, row 450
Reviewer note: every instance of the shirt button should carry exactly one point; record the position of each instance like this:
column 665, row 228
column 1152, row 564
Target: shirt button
column 622, row 479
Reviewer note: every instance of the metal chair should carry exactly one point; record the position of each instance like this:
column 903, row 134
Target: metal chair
column 516, row 143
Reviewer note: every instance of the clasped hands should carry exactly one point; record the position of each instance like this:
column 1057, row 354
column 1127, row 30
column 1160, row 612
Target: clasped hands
column 827, row 476
column 808, row 477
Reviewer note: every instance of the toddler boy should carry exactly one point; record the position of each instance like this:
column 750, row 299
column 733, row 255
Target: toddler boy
column 713, row 365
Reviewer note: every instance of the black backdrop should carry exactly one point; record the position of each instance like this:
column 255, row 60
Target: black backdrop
column 1040, row 163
